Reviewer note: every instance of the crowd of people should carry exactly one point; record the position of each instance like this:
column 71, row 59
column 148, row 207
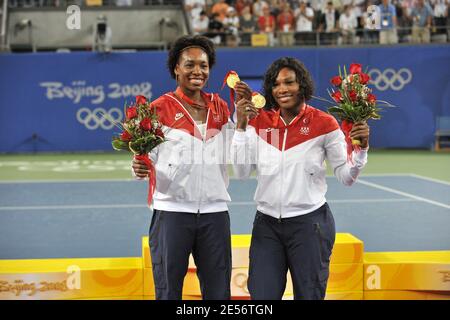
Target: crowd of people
column 299, row 22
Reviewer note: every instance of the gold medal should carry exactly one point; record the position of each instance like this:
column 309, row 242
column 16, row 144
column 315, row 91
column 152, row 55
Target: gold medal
column 258, row 100
column 232, row 79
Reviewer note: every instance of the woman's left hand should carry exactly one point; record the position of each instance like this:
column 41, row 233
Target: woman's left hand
column 360, row 131
column 243, row 91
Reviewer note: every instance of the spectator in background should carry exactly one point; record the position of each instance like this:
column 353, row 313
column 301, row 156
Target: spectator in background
column 403, row 23
column 304, row 17
column 240, row 5
column 247, row 21
column 200, row 24
column 330, row 19
column 216, row 30
column 220, row 8
column 388, row 23
column 266, row 24
column 347, row 25
column 231, row 24
column 247, row 25
column 194, row 8
column 329, row 24
column 276, row 7
column 285, row 26
column 421, row 17
column 258, row 7
column 440, row 12
column 370, row 32
column 231, row 21
column 408, row 6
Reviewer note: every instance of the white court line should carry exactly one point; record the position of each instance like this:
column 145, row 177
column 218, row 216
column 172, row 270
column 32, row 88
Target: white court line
column 405, row 194
column 385, row 175
column 128, row 206
column 430, row 179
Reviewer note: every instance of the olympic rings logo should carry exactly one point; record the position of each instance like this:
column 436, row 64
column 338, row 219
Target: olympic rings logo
column 390, row 78
column 99, row 117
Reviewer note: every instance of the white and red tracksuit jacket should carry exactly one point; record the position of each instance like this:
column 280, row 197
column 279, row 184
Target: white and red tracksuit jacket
column 191, row 170
column 290, row 160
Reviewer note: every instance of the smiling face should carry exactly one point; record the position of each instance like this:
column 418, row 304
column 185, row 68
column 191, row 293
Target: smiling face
column 192, row 69
column 286, row 89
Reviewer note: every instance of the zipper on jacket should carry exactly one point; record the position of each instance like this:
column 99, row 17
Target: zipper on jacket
column 282, row 173
column 203, row 162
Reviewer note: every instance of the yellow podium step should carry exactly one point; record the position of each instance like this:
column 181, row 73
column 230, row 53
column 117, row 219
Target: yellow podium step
column 419, row 271
column 346, row 268
column 70, row 278
column 406, row 295
column 347, row 249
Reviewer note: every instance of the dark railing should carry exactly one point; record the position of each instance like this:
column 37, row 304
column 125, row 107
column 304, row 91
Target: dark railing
column 317, row 38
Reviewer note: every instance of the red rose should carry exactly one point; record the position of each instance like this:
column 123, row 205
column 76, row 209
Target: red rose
column 364, row 78
column 125, row 136
column 131, row 113
column 355, row 68
column 337, row 96
column 145, row 124
column 336, row 81
column 140, row 100
column 371, row 98
column 352, row 95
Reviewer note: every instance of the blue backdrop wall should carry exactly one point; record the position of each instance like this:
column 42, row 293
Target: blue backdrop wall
column 48, row 101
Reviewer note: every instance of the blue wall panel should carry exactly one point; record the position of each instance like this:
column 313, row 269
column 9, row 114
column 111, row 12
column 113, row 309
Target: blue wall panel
column 50, row 95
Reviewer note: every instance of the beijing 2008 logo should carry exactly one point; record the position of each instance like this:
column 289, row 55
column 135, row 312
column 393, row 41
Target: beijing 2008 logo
column 99, row 118
column 390, row 78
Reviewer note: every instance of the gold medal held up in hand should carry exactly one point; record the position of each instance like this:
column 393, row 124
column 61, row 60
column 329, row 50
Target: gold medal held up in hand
column 232, row 78
column 258, row 100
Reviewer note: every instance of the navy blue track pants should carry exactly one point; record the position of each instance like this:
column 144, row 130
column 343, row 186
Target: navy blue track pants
column 302, row 244
column 174, row 236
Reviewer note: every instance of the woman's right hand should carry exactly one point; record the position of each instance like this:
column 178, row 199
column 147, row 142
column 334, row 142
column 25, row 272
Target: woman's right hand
column 245, row 110
column 140, row 169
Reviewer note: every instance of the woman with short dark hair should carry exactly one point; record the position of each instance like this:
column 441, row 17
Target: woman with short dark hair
column 190, row 213
column 287, row 144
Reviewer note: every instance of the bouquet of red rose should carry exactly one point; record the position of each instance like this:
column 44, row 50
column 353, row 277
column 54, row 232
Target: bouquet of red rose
column 141, row 132
column 355, row 102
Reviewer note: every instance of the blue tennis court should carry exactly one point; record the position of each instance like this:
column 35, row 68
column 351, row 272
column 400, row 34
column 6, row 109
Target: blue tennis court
column 107, row 218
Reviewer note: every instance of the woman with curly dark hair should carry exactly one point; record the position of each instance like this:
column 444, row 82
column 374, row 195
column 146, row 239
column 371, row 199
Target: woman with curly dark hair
column 190, row 213
column 287, row 143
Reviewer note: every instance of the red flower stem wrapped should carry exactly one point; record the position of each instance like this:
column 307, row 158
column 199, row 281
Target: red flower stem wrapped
column 152, row 175
column 351, row 144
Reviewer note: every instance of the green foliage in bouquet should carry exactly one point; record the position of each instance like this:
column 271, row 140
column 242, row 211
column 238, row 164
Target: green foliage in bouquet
column 141, row 129
column 355, row 100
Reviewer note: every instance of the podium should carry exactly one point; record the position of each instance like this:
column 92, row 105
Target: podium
column 354, row 275
column 345, row 281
